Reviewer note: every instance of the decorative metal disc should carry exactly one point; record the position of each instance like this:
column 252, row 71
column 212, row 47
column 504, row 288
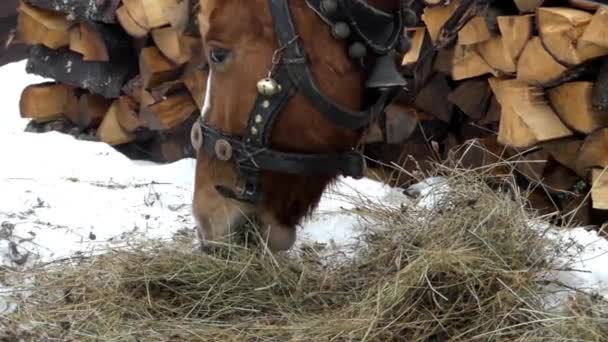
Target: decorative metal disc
column 223, row 150
column 196, row 136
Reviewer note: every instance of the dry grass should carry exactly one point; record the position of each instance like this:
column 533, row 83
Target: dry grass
column 472, row 268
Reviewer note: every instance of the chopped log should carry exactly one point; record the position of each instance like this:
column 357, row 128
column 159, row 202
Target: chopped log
column 599, row 98
column 565, row 152
column 467, row 63
column 443, row 61
column 593, row 150
column 103, row 78
column 434, row 17
column 560, row 29
column 516, row 31
column 513, row 131
column 129, row 24
column 39, row 26
column 44, row 102
column 401, row 122
column 576, row 209
column 559, row 179
column 526, row 6
column 169, row 113
column 196, row 82
column 178, row 14
column 433, row 98
column 597, row 30
column 531, row 106
column 172, row 45
column 493, row 113
column 135, row 9
column 417, row 40
column 89, row 43
column 472, row 97
column 156, row 68
column 167, row 89
column 90, row 10
column 572, row 102
column 537, row 67
column 110, row 131
column 91, row 110
column 475, row 31
column 128, row 115
column 133, row 89
column 495, row 53
column 532, row 165
column 154, row 11
column 599, row 189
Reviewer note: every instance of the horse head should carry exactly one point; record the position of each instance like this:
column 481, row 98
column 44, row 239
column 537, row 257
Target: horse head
column 291, row 87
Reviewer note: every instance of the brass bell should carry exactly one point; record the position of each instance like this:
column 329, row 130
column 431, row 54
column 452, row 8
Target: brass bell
column 268, row 87
column 329, row 7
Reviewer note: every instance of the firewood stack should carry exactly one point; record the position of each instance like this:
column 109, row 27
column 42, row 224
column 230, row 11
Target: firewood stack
column 129, row 71
column 521, row 80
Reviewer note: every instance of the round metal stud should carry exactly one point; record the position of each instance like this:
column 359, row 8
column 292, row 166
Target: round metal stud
column 196, row 137
column 329, row 7
column 341, row 30
column 258, row 119
column 223, row 150
column 265, row 104
column 254, row 131
column 268, row 87
column 357, row 50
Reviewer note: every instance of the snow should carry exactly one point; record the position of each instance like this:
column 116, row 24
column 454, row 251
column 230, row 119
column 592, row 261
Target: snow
column 60, row 197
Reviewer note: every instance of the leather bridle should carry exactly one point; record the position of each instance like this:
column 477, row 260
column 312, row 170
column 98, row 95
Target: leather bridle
column 372, row 34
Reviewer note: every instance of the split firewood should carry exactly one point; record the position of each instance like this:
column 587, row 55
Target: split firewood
column 400, row 123
column 110, row 131
column 599, row 188
column 417, row 40
column 565, row 152
column 593, row 150
column 572, row 102
column 532, row 165
column 515, row 31
column 169, row 113
column 39, row 26
column 132, row 27
column 155, row 13
column 135, row 10
column 559, row 179
column 560, row 30
column 472, row 97
column 88, row 110
column 526, row 6
column 475, row 31
column 599, row 97
column 174, row 46
column 467, row 63
column 496, row 54
column 103, row 78
column 435, row 17
column 128, row 116
column 433, row 98
column 44, row 102
column 576, row 209
column 196, row 82
column 89, row 43
column 156, row 68
column 97, row 10
column 537, row 67
column 178, row 14
column 597, row 30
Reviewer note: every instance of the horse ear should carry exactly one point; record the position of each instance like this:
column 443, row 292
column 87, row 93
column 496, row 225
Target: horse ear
column 204, row 15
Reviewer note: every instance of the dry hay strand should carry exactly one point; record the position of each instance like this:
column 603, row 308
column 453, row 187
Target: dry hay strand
column 473, row 266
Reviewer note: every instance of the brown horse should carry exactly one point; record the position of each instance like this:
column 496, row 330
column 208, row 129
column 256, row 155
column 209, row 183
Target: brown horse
column 245, row 159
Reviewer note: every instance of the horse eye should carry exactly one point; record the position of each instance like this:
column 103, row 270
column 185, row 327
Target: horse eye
column 219, row 55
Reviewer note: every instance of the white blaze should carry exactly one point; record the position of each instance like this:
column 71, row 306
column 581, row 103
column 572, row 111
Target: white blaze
column 207, row 104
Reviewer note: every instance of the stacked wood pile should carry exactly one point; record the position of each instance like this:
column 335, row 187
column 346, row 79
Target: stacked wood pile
column 9, row 52
column 128, row 72
column 519, row 80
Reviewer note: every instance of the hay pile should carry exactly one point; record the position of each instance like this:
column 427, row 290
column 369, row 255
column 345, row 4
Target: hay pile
column 471, row 268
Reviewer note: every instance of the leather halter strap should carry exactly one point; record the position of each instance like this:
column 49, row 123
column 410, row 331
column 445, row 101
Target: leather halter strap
column 251, row 151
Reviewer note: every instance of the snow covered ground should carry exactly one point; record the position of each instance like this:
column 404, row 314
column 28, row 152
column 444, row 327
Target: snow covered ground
column 60, row 197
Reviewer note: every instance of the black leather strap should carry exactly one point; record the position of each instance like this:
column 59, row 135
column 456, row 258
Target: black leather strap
column 349, row 163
